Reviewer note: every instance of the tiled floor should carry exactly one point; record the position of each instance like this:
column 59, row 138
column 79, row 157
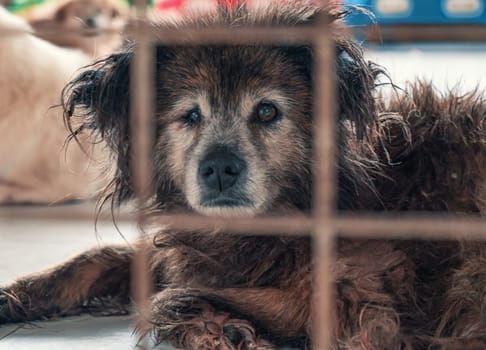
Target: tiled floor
column 30, row 246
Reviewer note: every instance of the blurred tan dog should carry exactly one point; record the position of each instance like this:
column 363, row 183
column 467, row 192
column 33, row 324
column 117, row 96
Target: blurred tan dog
column 100, row 20
column 35, row 167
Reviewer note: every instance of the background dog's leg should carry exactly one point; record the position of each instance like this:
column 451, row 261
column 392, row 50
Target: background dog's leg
column 225, row 318
column 94, row 281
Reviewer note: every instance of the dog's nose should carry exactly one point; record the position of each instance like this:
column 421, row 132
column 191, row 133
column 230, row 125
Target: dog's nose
column 91, row 22
column 220, row 170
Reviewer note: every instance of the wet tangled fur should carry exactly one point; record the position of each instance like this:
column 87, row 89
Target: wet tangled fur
column 420, row 150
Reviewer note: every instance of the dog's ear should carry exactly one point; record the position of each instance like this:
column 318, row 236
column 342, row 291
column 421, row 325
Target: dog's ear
column 97, row 101
column 62, row 13
column 355, row 84
column 355, row 81
column 355, row 77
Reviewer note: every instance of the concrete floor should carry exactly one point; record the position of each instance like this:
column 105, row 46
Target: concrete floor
column 80, row 333
column 49, row 243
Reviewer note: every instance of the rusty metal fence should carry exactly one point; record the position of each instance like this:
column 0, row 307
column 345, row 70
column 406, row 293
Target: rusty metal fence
column 325, row 224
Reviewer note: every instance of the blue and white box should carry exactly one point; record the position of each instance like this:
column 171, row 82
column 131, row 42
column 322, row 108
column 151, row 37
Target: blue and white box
column 419, row 11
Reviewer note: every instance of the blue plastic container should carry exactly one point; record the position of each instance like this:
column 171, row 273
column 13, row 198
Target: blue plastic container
column 419, row 11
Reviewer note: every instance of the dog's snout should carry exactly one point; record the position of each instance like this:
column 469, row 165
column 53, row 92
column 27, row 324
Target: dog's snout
column 91, row 22
column 220, row 170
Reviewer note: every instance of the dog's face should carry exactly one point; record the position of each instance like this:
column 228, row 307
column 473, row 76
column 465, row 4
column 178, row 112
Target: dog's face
column 94, row 15
column 233, row 124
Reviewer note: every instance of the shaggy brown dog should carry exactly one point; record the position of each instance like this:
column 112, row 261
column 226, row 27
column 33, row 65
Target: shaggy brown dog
column 234, row 137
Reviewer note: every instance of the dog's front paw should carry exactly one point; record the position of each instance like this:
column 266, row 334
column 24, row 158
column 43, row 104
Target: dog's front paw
column 5, row 314
column 11, row 310
column 239, row 334
column 216, row 331
column 189, row 320
column 3, row 305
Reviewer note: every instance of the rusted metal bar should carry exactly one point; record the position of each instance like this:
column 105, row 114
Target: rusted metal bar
column 324, row 180
column 380, row 226
column 278, row 225
column 407, row 33
column 383, row 33
column 141, row 136
column 214, row 35
column 411, row 225
column 52, row 29
column 83, row 212
column 139, row 28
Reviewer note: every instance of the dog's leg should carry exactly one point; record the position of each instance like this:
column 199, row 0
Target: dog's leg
column 366, row 314
column 234, row 318
column 255, row 319
column 464, row 309
column 374, row 282
column 94, row 281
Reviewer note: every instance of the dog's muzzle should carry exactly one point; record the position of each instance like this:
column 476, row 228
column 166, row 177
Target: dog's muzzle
column 222, row 176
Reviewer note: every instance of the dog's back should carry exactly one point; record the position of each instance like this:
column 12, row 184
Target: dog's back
column 33, row 72
column 435, row 151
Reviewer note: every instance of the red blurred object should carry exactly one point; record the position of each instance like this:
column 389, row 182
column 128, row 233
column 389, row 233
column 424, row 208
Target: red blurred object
column 169, row 4
column 178, row 4
column 229, row 3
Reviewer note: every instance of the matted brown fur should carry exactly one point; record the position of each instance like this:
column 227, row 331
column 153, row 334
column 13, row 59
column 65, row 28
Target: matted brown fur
column 214, row 290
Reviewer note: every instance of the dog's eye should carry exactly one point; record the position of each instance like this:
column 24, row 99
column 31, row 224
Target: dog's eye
column 266, row 112
column 193, row 117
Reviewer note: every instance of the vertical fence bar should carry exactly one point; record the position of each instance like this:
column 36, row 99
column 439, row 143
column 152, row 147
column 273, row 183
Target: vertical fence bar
column 324, row 181
column 141, row 113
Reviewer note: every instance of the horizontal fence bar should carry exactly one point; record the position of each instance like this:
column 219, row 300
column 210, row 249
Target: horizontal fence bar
column 285, row 225
column 411, row 225
column 192, row 35
column 213, row 35
column 407, row 33
column 415, row 225
column 83, row 212
column 66, row 32
column 383, row 33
